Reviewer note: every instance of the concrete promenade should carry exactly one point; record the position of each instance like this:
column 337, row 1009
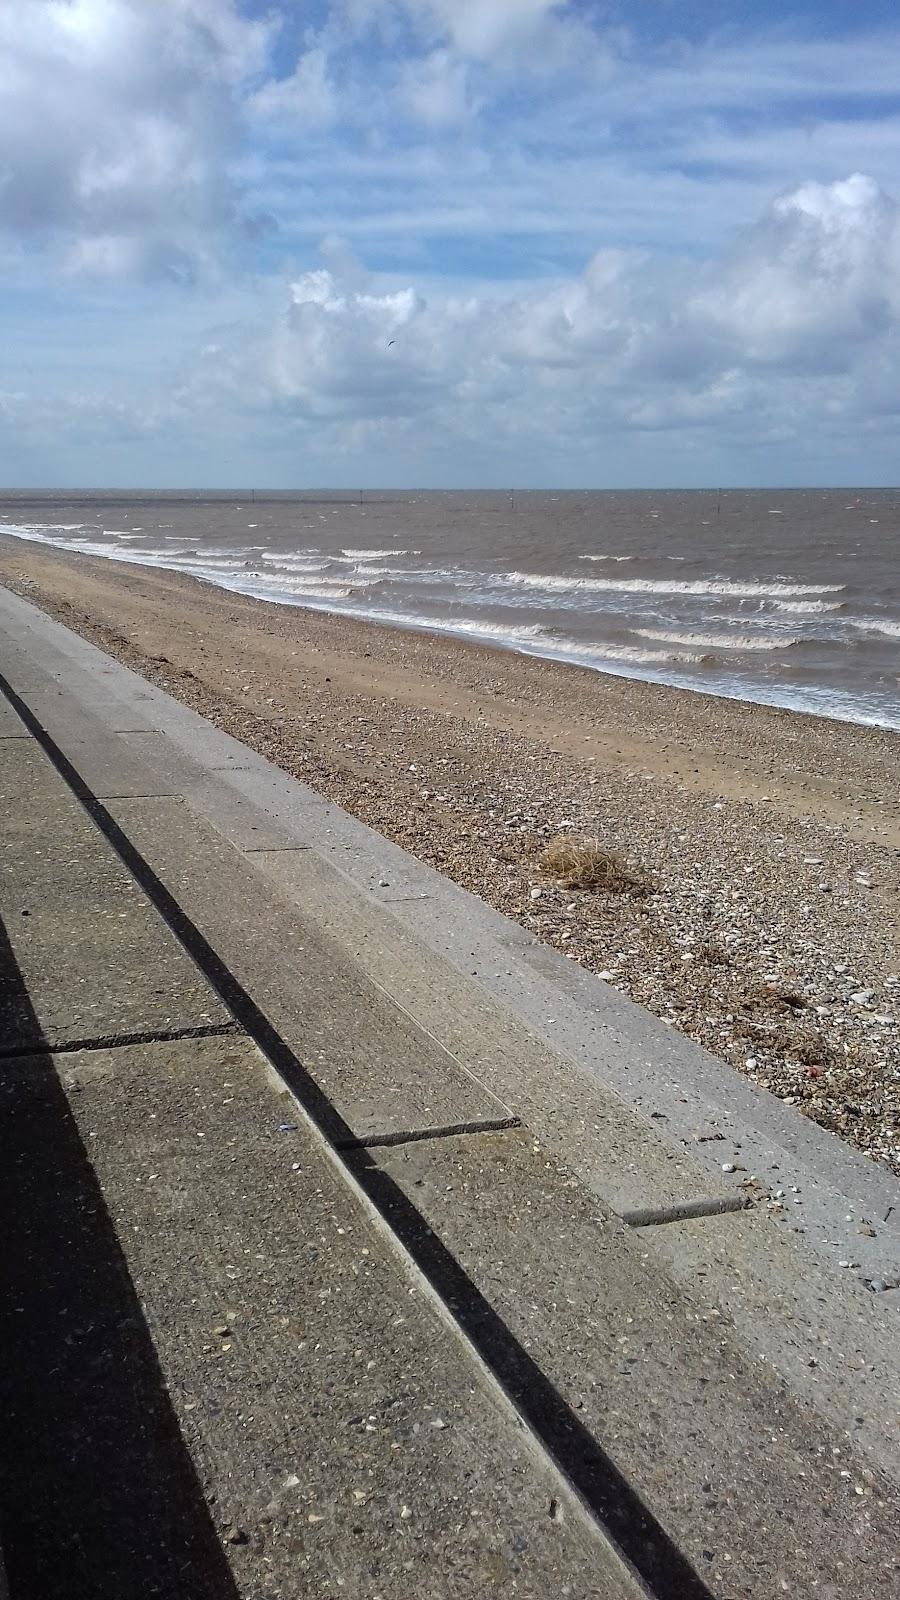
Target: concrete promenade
column 357, row 1245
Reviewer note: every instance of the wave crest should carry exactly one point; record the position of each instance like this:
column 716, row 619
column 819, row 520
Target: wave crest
column 699, row 586
column 721, row 641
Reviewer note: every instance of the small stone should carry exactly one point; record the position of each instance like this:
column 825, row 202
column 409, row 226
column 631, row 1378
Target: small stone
column 728, row 1166
column 438, row 1422
column 536, row 894
column 232, row 1534
column 222, row 1331
column 405, row 1513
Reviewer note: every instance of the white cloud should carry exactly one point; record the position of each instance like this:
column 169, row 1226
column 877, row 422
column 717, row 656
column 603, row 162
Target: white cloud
column 436, row 90
column 781, row 334
column 816, row 281
column 482, row 28
column 116, row 118
column 305, row 99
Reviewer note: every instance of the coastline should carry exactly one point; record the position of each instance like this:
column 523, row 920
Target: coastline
column 769, row 839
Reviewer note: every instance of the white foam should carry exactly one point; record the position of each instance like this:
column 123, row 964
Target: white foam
column 606, row 558
column 720, row 641
column 626, row 653
column 373, row 555
column 808, row 606
column 712, row 586
column 891, row 630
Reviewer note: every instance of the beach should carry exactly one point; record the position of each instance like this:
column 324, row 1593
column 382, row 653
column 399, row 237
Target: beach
column 765, row 843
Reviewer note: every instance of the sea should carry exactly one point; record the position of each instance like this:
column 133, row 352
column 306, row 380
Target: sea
column 786, row 598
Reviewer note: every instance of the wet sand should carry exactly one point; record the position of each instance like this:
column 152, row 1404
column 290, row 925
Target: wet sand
column 768, row 841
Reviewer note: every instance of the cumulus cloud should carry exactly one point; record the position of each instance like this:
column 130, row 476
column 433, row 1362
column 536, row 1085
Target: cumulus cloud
column 815, row 280
column 116, row 119
column 783, row 329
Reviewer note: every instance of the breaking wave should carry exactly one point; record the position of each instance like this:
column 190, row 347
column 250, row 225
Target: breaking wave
column 891, row 630
column 721, row 641
column 807, row 607
column 373, row 555
column 700, row 586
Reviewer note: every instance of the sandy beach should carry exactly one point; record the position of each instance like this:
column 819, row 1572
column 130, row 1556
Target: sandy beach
column 766, row 842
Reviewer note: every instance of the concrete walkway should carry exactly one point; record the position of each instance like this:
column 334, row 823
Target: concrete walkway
column 318, row 1175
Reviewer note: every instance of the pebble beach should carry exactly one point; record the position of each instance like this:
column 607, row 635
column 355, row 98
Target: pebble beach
column 763, row 845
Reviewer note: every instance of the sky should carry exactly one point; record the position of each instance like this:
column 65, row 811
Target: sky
column 449, row 243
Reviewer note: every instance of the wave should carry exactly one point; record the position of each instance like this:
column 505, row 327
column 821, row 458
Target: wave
column 606, row 558
column 891, row 630
column 482, row 630
column 807, row 607
column 366, row 555
column 325, row 591
column 721, row 641
column 627, row 652
column 700, row 586
column 28, row 530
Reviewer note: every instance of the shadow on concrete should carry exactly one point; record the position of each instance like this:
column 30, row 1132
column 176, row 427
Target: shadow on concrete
column 617, row 1504
column 98, row 1496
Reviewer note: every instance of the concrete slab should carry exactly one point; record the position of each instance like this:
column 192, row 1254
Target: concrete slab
column 223, row 1381
column 11, row 726
column 49, row 678
column 241, row 822
column 382, row 1073
column 94, row 958
column 621, row 1157
column 708, row 1435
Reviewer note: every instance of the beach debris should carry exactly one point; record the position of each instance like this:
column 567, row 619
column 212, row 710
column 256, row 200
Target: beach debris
column 586, row 864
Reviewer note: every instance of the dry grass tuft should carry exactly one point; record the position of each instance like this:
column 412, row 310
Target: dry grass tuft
column 584, row 864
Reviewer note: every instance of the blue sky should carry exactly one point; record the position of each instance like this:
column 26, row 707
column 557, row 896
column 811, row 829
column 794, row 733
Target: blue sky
column 449, row 242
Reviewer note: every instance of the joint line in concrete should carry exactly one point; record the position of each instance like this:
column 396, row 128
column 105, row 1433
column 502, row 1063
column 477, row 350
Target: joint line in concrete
column 374, row 1141
column 120, row 1041
column 156, row 794
column 270, row 849
column 685, row 1210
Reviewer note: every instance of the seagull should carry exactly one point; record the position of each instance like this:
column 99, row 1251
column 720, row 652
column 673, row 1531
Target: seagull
column 389, row 343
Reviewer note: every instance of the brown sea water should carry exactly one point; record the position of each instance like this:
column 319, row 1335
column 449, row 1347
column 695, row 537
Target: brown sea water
column 790, row 598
